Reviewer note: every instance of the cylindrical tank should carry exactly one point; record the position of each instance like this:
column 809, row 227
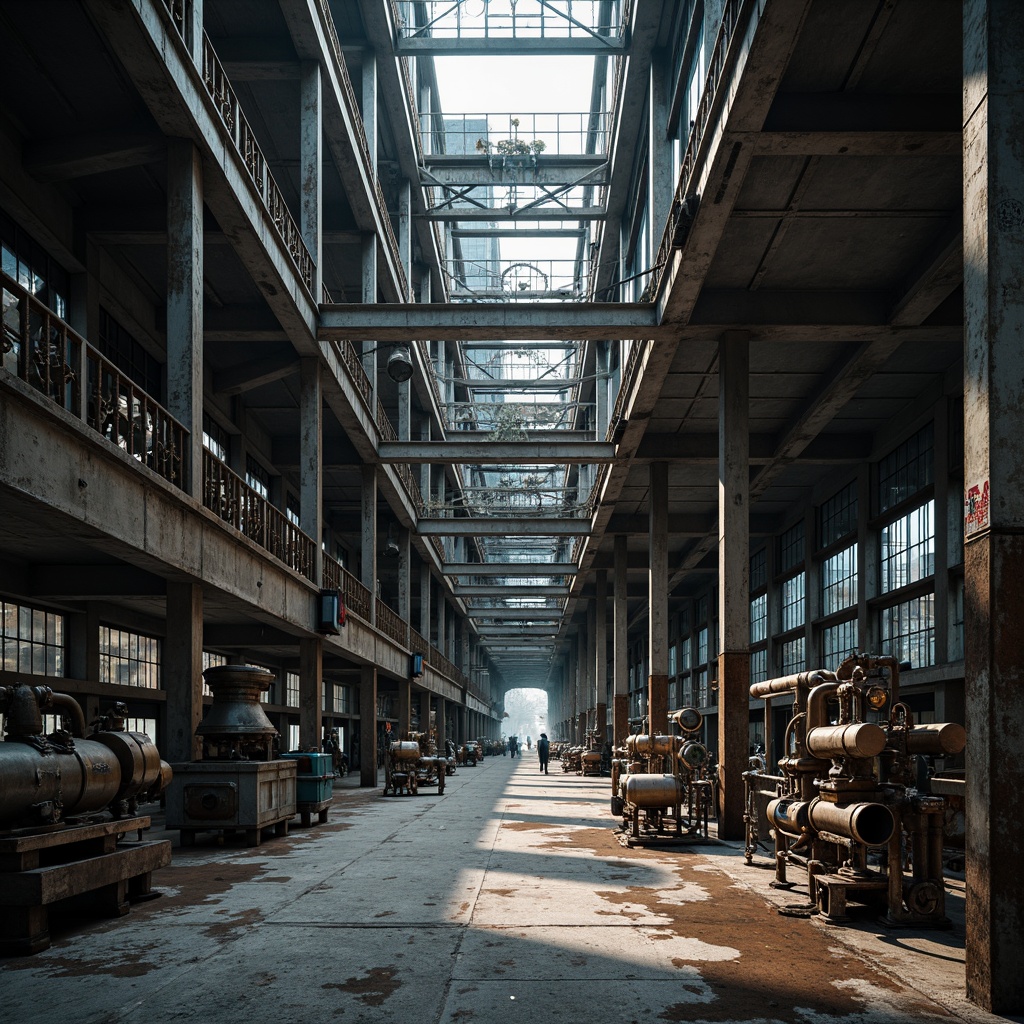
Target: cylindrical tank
column 651, row 790
column 788, row 815
column 43, row 779
column 651, row 746
column 688, row 719
column 405, row 750
column 861, row 739
column 867, row 823
column 936, row 738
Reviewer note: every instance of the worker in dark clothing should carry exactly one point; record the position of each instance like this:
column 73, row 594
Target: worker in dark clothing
column 543, row 747
column 513, row 746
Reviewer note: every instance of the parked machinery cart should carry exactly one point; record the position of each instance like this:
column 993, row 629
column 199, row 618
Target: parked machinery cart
column 847, row 794
column 662, row 789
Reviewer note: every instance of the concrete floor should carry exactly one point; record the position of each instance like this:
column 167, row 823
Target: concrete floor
column 506, row 899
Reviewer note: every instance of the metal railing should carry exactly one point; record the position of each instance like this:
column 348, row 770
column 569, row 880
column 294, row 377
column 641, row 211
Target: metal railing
column 327, row 20
column 525, row 19
column 391, row 624
column 227, row 495
column 40, row 348
column 518, row 280
column 243, row 139
column 517, row 135
column 683, row 203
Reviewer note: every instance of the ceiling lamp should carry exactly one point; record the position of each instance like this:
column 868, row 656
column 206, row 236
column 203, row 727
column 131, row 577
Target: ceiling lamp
column 400, row 364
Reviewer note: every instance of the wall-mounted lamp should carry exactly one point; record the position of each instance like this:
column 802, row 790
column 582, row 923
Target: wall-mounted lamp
column 330, row 613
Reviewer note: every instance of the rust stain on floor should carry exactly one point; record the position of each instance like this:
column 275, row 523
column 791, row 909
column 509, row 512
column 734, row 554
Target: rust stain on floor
column 235, row 921
column 378, row 984
column 116, row 963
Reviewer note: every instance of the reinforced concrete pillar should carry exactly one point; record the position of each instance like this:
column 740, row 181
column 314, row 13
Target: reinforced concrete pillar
column 185, row 304
column 311, row 170
column 657, row 598
column 183, row 671
column 442, row 723
column 425, row 711
column 311, row 692
column 404, row 708
column 368, row 725
column 369, row 537
column 405, row 581
column 733, row 580
column 620, row 651
column 310, row 461
column 600, row 644
column 994, row 499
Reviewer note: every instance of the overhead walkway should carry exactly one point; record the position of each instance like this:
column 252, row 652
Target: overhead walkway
column 507, row 899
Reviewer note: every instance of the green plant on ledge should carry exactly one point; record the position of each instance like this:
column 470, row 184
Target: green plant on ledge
column 512, row 147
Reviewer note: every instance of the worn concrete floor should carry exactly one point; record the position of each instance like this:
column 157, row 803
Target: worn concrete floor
column 507, row 899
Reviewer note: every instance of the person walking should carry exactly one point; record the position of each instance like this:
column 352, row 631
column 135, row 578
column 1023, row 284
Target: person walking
column 513, row 746
column 543, row 748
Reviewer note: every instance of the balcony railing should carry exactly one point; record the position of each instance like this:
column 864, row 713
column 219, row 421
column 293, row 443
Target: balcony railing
column 391, row 624
column 243, row 140
column 356, row 598
column 517, row 136
column 41, row 349
column 236, row 503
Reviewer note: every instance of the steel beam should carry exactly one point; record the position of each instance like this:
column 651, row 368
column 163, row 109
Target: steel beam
column 504, row 527
column 396, row 321
column 496, row 452
column 492, row 46
column 509, row 568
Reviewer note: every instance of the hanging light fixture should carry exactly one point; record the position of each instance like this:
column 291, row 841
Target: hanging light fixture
column 400, row 364
column 391, row 545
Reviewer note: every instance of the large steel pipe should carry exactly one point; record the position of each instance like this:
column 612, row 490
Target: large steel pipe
column 651, row 746
column 867, row 823
column 789, row 684
column 936, row 738
column 788, row 815
column 861, row 739
column 651, row 790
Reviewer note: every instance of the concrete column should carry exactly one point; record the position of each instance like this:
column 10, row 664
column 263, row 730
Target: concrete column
column 601, row 653
column 733, row 579
column 311, row 692
column 442, row 617
column 660, row 185
column 183, row 671
column 405, row 580
column 404, row 708
column 185, row 304
column 369, row 537
column 311, row 170
column 194, row 33
column 368, row 725
column 369, row 256
column 657, row 598
column 405, row 234
column 311, row 499
column 441, row 724
column 620, row 652
column 425, row 711
column 994, row 499
column 602, row 396
column 425, row 589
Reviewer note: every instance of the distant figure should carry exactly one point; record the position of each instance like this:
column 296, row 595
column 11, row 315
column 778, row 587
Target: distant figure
column 542, row 752
column 529, row 743
column 513, row 746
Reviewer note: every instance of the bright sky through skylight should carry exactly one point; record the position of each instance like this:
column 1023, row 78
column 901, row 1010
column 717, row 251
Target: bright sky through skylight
column 518, row 86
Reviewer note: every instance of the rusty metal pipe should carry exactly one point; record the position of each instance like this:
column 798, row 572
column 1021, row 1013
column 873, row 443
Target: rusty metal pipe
column 788, row 815
column 65, row 702
column 861, row 740
column 791, row 683
column 867, row 823
column 936, row 738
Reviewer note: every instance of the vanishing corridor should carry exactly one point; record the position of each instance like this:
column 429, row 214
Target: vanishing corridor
column 506, row 899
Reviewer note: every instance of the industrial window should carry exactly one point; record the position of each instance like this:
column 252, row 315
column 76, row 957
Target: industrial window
column 759, row 619
column 31, row 640
column 702, row 646
column 292, row 510
column 344, row 702
column 209, row 661
column 908, row 548
column 673, row 661
column 839, row 581
column 838, row 642
column 758, row 571
column 128, row 355
column 291, row 689
column 793, row 602
column 146, row 725
column 907, row 469
column 837, row 517
column 257, row 477
column 215, row 438
column 908, row 631
column 28, row 263
column 791, row 548
column 684, row 655
column 293, row 737
column 759, row 665
column 793, row 654
column 129, row 659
